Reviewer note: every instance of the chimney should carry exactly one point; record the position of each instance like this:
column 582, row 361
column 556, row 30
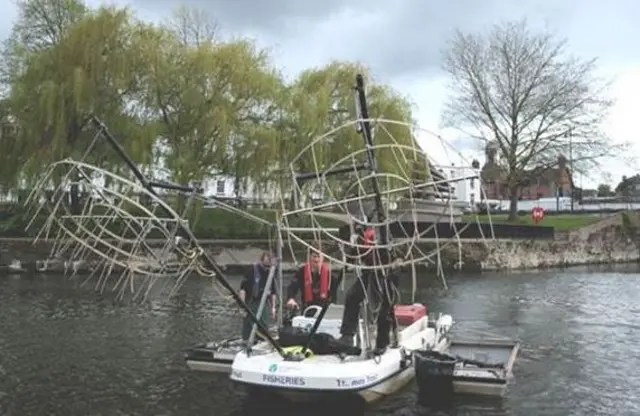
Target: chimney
column 490, row 152
column 562, row 162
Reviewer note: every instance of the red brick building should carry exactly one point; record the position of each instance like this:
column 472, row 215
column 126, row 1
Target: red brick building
column 536, row 183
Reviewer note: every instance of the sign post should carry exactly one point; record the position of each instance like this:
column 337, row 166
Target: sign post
column 537, row 214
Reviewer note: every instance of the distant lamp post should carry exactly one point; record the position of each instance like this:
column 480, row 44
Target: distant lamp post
column 475, row 165
column 569, row 134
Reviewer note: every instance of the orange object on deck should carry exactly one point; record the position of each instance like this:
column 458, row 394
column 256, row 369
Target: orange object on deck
column 408, row 314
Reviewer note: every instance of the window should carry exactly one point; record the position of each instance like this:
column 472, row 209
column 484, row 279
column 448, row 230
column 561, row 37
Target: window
column 220, row 187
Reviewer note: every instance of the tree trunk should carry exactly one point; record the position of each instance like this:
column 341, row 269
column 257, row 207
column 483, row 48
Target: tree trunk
column 513, row 204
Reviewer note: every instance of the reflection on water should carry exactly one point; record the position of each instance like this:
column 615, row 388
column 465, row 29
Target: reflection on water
column 67, row 351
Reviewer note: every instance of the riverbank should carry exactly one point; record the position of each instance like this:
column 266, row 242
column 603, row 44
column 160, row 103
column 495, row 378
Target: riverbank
column 611, row 240
column 614, row 239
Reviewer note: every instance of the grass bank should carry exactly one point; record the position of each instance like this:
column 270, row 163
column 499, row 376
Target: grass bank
column 560, row 222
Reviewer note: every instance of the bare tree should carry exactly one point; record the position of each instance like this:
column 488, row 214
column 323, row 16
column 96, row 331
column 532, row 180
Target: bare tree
column 193, row 26
column 534, row 102
column 40, row 25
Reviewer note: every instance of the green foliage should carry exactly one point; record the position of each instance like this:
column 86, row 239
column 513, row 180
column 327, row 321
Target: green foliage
column 90, row 69
column 604, row 190
column 178, row 98
column 209, row 98
column 321, row 100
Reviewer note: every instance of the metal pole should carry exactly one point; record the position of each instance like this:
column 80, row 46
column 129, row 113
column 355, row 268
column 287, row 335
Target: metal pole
column 571, row 167
column 263, row 301
column 280, row 277
column 371, row 158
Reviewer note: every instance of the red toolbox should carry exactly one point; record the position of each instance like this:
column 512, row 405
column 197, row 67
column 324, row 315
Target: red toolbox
column 408, row 314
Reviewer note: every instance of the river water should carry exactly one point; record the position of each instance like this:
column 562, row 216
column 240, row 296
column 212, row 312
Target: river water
column 68, row 351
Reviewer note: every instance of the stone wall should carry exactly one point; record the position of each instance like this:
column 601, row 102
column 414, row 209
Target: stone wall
column 611, row 240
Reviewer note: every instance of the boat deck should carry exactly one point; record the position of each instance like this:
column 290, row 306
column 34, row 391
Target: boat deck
column 219, row 356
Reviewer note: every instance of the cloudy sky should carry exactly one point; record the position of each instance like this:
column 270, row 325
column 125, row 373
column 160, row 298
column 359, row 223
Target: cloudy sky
column 401, row 41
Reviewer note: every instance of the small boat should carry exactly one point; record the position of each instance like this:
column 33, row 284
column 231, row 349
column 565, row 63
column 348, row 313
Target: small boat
column 466, row 367
column 334, row 369
column 484, row 367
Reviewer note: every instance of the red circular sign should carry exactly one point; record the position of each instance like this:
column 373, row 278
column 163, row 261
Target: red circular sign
column 537, row 214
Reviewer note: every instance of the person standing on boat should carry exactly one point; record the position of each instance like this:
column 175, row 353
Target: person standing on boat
column 252, row 287
column 313, row 280
column 385, row 290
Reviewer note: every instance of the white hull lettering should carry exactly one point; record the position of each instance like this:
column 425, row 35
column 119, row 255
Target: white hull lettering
column 356, row 382
column 284, row 380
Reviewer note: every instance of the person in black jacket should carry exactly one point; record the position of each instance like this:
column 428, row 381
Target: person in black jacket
column 251, row 289
column 384, row 285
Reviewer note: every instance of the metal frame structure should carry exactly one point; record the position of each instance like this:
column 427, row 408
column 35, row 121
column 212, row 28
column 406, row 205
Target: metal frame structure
column 383, row 245
column 151, row 186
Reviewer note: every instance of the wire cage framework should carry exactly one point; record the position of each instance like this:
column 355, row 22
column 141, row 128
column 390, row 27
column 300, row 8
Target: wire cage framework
column 139, row 245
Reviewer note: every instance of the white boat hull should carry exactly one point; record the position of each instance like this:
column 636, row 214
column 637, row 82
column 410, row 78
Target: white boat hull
column 317, row 377
column 370, row 394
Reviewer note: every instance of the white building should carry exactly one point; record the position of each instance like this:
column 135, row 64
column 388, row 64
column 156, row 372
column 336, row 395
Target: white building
column 465, row 183
column 223, row 186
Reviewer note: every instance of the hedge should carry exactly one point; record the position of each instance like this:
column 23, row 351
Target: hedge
column 212, row 223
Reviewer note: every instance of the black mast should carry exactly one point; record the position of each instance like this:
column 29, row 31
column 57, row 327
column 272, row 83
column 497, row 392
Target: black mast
column 371, row 159
column 362, row 113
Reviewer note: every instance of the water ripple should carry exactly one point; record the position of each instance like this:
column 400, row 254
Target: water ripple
column 67, row 351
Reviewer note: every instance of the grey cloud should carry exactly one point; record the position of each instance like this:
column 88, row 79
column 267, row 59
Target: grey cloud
column 6, row 18
column 466, row 143
column 409, row 35
column 412, row 39
column 269, row 16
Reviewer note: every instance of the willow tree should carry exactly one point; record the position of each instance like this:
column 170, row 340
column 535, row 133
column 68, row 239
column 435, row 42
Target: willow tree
column 91, row 70
column 524, row 92
column 210, row 98
column 40, row 25
column 321, row 100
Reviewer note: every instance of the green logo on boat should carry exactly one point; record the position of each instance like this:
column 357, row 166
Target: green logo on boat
column 273, row 368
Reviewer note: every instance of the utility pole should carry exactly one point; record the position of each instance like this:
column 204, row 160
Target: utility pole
column 569, row 134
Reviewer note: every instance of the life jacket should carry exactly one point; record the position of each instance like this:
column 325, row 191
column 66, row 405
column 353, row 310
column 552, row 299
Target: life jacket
column 308, row 282
column 369, row 236
column 369, row 240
